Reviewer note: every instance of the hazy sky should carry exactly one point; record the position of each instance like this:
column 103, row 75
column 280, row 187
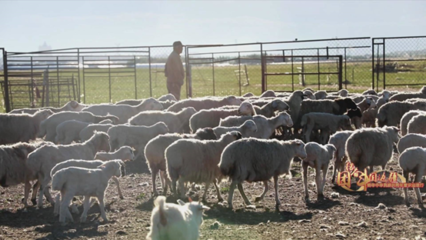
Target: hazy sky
column 25, row 25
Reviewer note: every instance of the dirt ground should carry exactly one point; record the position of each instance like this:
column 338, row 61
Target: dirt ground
column 349, row 215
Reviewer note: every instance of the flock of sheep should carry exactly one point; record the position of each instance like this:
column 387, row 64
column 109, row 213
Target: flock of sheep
column 204, row 140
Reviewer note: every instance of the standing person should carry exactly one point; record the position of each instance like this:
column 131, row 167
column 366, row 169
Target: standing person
column 174, row 70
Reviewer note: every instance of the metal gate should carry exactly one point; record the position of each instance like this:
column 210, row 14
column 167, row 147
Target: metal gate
column 398, row 61
column 295, row 72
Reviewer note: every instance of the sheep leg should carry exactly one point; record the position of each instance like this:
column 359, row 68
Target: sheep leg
column 154, row 186
column 265, row 189
column 321, row 182
column 182, row 189
column 43, row 187
column 418, row 179
column 231, row 193
column 57, row 206
column 246, row 200
column 114, row 178
column 205, row 191
column 305, row 179
column 26, row 193
column 167, row 183
column 86, row 207
column 219, row 197
column 406, row 175
column 277, row 200
column 64, row 211
column 102, row 207
column 36, row 187
column 308, row 131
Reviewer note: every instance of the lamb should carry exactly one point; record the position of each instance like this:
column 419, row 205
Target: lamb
column 242, row 161
column 369, row 115
column 337, row 107
column 172, row 221
column 82, row 164
column 369, row 92
column 124, row 112
column 200, row 164
column 411, row 140
column 68, row 131
column 318, row 157
column 21, row 127
column 13, row 168
column 167, row 97
column 176, row 122
column 203, row 103
column 154, row 153
column 167, row 104
column 72, row 181
column 247, row 129
column 211, row 117
column 295, row 102
column 309, row 94
column 247, row 95
column 406, row 118
column 417, row 124
column 371, row 146
column 404, row 96
column 135, row 136
column 88, row 131
column 123, row 153
column 267, row 93
column 42, row 160
column 326, row 122
column 413, row 160
column 320, row 94
column 343, row 92
column 69, row 106
column 268, row 110
column 48, row 126
column 265, row 126
column 356, row 117
column 390, row 114
column 338, row 140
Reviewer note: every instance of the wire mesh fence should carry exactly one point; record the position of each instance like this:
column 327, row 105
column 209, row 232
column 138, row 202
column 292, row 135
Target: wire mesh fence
column 108, row 75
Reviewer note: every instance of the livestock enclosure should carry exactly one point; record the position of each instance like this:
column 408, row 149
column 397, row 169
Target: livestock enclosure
column 110, row 74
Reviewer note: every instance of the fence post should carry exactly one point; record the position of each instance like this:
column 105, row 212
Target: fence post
column 6, row 82
column 214, row 90
column 340, row 71
column 239, row 72
column 78, row 68
column 262, row 68
column 109, row 77
column 149, row 67
column 384, row 64
column 136, row 86
column 372, row 63
column 188, row 74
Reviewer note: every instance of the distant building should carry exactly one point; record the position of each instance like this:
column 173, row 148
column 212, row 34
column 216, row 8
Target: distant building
column 44, row 47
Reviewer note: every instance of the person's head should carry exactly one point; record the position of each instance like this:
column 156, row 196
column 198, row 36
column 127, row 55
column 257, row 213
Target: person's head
column 177, row 47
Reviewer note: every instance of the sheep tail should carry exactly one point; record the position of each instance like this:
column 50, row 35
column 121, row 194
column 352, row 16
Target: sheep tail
column 159, row 203
column 58, row 181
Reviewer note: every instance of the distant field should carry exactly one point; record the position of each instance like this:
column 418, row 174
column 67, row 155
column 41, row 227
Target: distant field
column 226, row 81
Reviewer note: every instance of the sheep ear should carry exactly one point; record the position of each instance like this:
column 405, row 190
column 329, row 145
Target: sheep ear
column 180, row 202
column 189, row 199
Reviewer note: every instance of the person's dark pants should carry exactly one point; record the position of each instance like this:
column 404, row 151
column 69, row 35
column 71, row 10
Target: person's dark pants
column 174, row 88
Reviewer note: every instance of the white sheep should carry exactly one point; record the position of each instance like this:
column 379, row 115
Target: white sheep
column 265, row 126
column 254, row 160
column 88, row 131
column 326, row 122
column 48, row 126
column 411, row 140
column 193, row 160
column 172, row 221
column 338, row 140
column 13, row 168
column 404, row 96
column 204, row 103
column 68, row 131
column 123, row 153
column 75, row 181
column 390, row 113
column 413, row 160
column 369, row 147
column 135, row 136
column 247, row 129
column 322, row 94
column 269, row 109
column 406, row 118
column 21, row 127
column 42, row 160
column 154, row 153
column 417, row 124
column 318, row 157
column 176, row 122
column 82, row 164
column 124, row 112
column 167, row 97
column 69, row 106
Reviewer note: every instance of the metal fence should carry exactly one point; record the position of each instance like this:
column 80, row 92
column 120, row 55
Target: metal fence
column 98, row 75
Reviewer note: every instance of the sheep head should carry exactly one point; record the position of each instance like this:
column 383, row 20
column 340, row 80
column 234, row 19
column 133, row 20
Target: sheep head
column 299, row 148
column 205, row 134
